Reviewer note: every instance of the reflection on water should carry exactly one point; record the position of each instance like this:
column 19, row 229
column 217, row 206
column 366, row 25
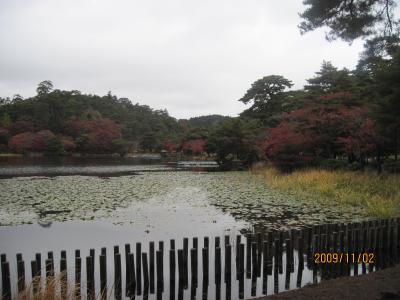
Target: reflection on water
column 56, row 166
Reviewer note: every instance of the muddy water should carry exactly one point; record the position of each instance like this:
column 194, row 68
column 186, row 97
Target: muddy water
column 42, row 213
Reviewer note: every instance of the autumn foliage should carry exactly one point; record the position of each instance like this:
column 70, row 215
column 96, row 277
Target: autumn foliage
column 195, row 146
column 169, row 146
column 322, row 130
column 94, row 136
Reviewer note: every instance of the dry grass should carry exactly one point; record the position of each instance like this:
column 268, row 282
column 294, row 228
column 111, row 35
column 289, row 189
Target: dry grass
column 50, row 289
column 378, row 195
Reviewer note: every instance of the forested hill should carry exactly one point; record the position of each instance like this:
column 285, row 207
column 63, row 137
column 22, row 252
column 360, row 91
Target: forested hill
column 59, row 121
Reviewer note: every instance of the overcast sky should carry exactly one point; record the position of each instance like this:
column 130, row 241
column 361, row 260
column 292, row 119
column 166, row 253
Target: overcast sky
column 189, row 57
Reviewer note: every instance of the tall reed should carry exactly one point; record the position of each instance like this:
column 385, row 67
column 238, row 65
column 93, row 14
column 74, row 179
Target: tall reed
column 377, row 195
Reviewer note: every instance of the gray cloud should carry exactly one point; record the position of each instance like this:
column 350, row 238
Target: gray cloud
column 190, row 57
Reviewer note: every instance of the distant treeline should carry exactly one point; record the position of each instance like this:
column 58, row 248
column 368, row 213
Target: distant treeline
column 341, row 119
column 60, row 122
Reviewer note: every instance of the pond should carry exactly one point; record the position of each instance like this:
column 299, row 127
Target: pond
column 91, row 207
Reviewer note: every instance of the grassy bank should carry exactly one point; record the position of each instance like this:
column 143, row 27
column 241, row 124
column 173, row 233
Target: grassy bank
column 379, row 195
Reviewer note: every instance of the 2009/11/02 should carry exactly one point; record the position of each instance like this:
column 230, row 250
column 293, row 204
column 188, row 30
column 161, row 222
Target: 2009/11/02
column 337, row 257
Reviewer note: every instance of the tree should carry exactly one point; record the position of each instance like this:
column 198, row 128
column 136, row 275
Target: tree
column 44, row 87
column 267, row 97
column 235, row 139
column 41, row 139
column 169, row 146
column 350, row 19
column 149, row 142
column 4, row 135
column 68, row 143
column 289, row 148
column 120, row 146
column 387, row 94
column 329, row 79
column 195, row 146
column 21, row 142
column 54, row 146
column 5, row 121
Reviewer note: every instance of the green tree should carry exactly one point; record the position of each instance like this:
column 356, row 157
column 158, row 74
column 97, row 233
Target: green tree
column 149, row 142
column 5, row 121
column 387, row 85
column 350, row 19
column 120, row 146
column 235, row 139
column 54, row 146
column 267, row 97
column 329, row 79
column 44, row 87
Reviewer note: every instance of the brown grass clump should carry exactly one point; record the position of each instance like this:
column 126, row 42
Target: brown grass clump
column 378, row 195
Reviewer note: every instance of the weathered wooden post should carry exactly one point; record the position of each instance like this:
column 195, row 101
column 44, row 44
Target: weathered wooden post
column 287, row 274
column 172, row 267
column 217, row 242
column 89, row 278
column 6, row 280
column 49, row 275
column 92, row 255
column 241, row 271
column 117, row 276
column 160, row 271
column 34, row 276
column 132, row 276
column 206, row 242
column 259, row 253
column 21, row 275
column 38, row 259
column 265, row 268
column 228, row 264
column 218, row 266
column 204, row 292
column 152, row 268
column 289, row 256
column 248, row 256
column 103, row 276
column 193, row 265
column 254, row 259
column 63, row 275
column 227, row 240
column 127, row 270
column 205, row 264
column 181, row 267
column 172, row 244
column 139, row 268
column 78, row 273
column 185, row 262
column 238, row 241
column 145, row 272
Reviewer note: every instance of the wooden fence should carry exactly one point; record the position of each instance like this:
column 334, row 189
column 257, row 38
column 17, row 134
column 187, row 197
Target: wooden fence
column 249, row 256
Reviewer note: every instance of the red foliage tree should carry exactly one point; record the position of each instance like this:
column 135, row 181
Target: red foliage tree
column 322, row 130
column 195, row 146
column 95, row 136
column 22, row 142
column 68, row 143
column 40, row 140
column 288, row 147
column 169, row 146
